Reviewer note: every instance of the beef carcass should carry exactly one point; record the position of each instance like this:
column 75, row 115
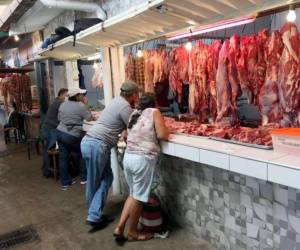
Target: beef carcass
column 261, row 66
column 268, row 96
column 289, row 71
column 232, row 68
column 198, row 94
column 129, row 67
column 202, row 81
column 242, row 67
column 212, row 66
column 139, row 71
column 226, row 113
column 160, row 66
column 179, row 64
column 97, row 79
column 149, row 71
column 252, row 59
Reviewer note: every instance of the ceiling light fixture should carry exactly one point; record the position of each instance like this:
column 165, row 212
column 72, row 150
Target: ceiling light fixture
column 139, row 53
column 291, row 16
column 188, row 46
column 217, row 26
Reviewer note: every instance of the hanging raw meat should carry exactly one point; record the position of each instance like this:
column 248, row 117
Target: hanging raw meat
column 149, row 71
column 226, row 113
column 198, row 82
column 252, row 59
column 232, row 68
column 179, row 64
column 268, row 96
column 202, row 81
column 129, row 67
column 289, row 71
column 212, row 66
column 97, row 79
column 261, row 66
column 26, row 98
column 157, row 66
column 139, row 71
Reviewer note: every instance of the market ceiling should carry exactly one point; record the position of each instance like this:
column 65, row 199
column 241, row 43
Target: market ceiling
column 164, row 17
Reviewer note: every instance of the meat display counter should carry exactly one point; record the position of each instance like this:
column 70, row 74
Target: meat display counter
column 263, row 164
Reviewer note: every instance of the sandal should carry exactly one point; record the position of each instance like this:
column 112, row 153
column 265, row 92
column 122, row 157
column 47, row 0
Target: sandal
column 139, row 237
column 118, row 234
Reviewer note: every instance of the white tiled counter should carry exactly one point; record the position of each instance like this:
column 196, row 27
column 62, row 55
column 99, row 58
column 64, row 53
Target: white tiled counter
column 259, row 163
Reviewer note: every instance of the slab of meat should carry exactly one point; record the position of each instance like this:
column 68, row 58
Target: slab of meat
column 129, row 67
column 268, row 96
column 289, row 71
column 179, row 64
column 226, row 112
column 198, row 94
column 139, row 71
column 212, row 66
column 252, row 60
column 242, row 67
column 160, row 61
column 261, row 65
column 149, row 70
column 97, row 79
column 232, row 68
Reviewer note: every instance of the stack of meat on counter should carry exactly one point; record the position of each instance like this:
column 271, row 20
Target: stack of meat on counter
column 264, row 66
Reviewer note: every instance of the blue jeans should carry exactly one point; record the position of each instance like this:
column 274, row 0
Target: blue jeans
column 96, row 155
column 68, row 144
column 49, row 136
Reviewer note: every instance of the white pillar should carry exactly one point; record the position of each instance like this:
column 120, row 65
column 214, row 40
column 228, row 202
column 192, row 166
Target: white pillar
column 107, row 81
column 112, row 80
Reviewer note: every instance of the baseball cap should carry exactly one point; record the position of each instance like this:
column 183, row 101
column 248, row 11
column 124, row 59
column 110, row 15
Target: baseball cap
column 129, row 87
column 76, row 91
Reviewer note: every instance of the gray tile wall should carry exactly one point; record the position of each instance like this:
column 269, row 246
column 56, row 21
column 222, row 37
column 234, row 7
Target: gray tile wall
column 231, row 211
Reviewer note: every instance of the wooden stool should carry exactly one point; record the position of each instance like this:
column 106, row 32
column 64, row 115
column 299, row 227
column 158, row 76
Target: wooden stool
column 36, row 141
column 53, row 162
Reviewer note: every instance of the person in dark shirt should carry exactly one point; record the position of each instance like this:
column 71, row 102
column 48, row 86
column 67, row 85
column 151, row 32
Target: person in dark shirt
column 15, row 120
column 49, row 128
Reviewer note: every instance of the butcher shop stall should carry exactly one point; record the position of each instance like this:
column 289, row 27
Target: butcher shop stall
column 226, row 76
column 17, row 86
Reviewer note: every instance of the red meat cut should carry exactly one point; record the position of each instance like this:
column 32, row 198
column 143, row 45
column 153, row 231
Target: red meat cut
column 232, row 68
column 212, row 66
column 226, row 113
column 289, row 71
column 268, row 96
column 179, row 64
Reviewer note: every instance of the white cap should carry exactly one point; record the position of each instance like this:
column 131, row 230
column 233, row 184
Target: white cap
column 76, row 91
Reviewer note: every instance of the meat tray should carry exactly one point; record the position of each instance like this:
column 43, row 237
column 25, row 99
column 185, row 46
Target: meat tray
column 189, row 135
column 241, row 143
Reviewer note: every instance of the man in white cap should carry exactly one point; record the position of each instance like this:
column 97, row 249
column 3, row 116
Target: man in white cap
column 70, row 132
column 96, row 146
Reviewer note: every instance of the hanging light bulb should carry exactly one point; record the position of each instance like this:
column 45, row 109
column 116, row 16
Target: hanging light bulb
column 139, row 53
column 188, row 46
column 291, row 16
column 17, row 38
